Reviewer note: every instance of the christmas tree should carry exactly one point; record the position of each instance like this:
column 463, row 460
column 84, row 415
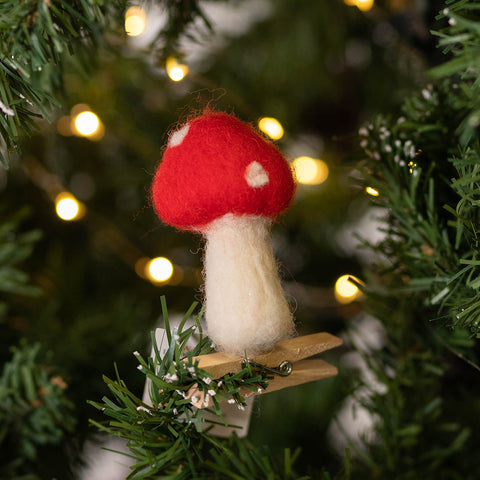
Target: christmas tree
column 375, row 106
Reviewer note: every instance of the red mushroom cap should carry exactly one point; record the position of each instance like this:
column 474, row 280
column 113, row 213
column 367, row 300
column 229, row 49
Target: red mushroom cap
column 215, row 164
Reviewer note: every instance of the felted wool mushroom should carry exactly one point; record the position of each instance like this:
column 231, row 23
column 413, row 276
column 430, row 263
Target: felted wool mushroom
column 222, row 179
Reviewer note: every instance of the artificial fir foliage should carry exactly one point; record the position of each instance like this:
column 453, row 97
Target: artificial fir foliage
column 428, row 182
column 168, row 436
column 36, row 37
column 16, row 286
column 15, row 248
column 34, row 413
column 460, row 40
column 181, row 14
column 42, row 39
column 318, row 77
column 424, row 167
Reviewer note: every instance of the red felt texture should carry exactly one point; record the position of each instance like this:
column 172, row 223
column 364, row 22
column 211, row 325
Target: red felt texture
column 203, row 177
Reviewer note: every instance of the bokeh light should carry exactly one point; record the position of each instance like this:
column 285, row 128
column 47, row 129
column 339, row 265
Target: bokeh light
column 310, row 171
column 363, row 5
column 345, row 290
column 67, row 207
column 159, row 269
column 176, row 71
column 372, row 191
column 135, row 21
column 271, row 127
column 86, row 123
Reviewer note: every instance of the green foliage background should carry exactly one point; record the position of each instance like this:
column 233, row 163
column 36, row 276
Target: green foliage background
column 73, row 287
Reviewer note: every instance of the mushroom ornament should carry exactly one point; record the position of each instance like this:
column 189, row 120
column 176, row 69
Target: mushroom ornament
column 222, row 179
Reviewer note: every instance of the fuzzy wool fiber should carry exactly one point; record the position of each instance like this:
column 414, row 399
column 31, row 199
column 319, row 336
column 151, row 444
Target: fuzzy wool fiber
column 215, row 164
column 246, row 310
column 221, row 178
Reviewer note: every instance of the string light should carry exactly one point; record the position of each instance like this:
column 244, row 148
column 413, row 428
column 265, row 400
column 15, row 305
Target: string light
column 159, row 269
column 363, row 5
column 345, row 290
column 68, row 208
column 135, row 21
column 85, row 123
column 372, row 191
column 310, row 171
column 176, row 71
column 271, row 127
column 81, row 122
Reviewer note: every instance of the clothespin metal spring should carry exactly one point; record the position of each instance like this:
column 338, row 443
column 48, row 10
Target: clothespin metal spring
column 284, row 369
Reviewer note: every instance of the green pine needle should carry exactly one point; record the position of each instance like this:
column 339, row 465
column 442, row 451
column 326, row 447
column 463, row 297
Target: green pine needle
column 34, row 411
column 168, row 436
column 429, row 187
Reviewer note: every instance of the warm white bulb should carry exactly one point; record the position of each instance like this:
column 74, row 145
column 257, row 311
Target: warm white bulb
column 135, row 21
column 271, row 127
column 67, row 207
column 176, row 71
column 160, row 269
column 310, row 171
column 176, row 74
column 86, row 123
column 363, row 5
column 345, row 290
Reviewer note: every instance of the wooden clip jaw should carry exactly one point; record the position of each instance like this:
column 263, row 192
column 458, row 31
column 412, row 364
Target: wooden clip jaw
column 293, row 350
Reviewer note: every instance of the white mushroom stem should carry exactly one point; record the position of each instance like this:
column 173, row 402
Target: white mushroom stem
column 246, row 308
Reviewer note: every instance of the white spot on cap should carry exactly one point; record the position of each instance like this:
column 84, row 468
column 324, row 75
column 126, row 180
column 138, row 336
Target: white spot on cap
column 255, row 175
column 176, row 138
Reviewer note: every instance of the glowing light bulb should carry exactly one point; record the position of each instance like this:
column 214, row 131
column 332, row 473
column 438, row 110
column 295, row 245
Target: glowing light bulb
column 345, row 290
column 363, row 5
column 159, row 269
column 310, row 171
column 135, row 21
column 176, row 71
column 271, row 127
column 372, row 191
column 86, row 123
column 177, row 74
column 68, row 207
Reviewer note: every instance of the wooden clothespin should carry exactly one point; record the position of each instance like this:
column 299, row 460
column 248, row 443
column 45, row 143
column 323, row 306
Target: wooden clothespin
column 287, row 361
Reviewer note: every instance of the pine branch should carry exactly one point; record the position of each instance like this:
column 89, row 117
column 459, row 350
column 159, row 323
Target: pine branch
column 14, row 249
column 419, row 432
column 429, row 188
column 461, row 39
column 35, row 39
column 424, row 166
column 170, row 436
column 34, row 411
column 182, row 15
column 38, row 39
